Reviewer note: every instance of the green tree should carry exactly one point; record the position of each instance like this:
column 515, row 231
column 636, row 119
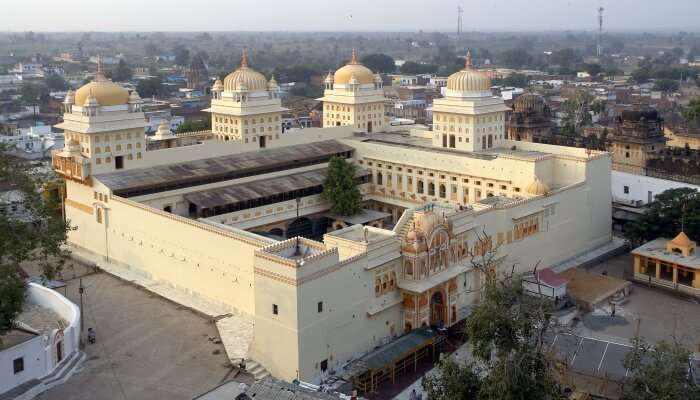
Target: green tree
column 665, row 215
column 340, row 187
column 453, row 381
column 36, row 235
column 666, row 85
column 516, row 58
column 122, row 72
column 56, row 82
column 194, row 126
column 514, row 79
column 412, row 67
column 379, row 63
column 34, row 93
column 565, row 57
column 150, row 87
column 692, row 110
column 659, row 372
column 593, row 69
column 182, row 55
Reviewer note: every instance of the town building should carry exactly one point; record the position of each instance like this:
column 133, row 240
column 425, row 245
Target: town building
column 44, row 341
column 670, row 263
column 230, row 215
column 354, row 96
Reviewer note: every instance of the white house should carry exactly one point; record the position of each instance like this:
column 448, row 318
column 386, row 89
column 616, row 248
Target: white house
column 45, row 340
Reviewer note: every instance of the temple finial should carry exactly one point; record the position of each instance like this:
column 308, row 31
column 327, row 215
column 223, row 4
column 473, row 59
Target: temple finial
column 468, row 63
column 100, row 74
column 354, row 60
column 244, row 58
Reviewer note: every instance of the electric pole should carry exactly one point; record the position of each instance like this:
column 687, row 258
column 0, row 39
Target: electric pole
column 459, row 20
column 600, row 31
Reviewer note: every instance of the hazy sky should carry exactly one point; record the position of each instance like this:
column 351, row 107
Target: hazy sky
column 346, row 15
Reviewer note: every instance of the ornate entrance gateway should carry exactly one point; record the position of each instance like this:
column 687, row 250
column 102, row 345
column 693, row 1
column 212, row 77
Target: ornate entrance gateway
column 437, row 310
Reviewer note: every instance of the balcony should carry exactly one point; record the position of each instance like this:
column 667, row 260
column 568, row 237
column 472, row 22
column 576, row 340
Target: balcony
column 73, row 167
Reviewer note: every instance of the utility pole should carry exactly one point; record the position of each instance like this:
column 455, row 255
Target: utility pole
column 600, row 31
column 81, row 289
column 460, row 10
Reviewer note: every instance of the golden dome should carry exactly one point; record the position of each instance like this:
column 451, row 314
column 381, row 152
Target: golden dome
column 354, row 69
column 537, row 188
column 106, row 92
column 245, row 78
column 468, row 79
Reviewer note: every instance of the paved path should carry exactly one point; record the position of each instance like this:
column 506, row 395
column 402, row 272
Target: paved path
column 235, row 330
column 147, row 347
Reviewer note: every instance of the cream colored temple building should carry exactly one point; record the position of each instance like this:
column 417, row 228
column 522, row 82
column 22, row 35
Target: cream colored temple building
column 210, row 212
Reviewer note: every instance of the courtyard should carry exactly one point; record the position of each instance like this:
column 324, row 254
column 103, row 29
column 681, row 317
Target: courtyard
column 657, row 313
column 147, row 347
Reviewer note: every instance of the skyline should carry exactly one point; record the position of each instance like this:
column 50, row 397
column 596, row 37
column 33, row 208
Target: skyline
column 359, row 16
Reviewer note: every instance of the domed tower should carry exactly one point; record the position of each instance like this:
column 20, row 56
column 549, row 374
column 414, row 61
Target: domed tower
column 531, row 119
column 246, row 107
column 638, row 138
column 354, row 96
column 469, row 117
column 108, row 124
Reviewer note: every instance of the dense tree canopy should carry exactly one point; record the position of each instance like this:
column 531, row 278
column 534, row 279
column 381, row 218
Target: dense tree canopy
column 195, row 125
column 121, row 73
column 37, row 234
column 515, row 58
column 340, row 187
column 56, row 82
column 33, row 93
column 379, row 63
column 659, row 372
column 665, row 215
column 412, row 67
column 692, row 110
column 150, row 87
column 515, row 79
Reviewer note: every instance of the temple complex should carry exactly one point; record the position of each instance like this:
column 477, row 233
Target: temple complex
column 235, row 215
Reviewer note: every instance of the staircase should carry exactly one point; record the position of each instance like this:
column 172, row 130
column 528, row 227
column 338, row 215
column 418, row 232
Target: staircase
column 59, row 375
column 403, row 225
column 254, row 368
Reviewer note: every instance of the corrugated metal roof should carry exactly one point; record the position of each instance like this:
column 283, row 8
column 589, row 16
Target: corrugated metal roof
column 217, row 169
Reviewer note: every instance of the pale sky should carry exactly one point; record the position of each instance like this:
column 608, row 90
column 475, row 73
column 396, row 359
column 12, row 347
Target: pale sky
column 347, row 15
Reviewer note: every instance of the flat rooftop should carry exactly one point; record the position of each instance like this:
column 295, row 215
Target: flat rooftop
column 405, row 139
column 657, row 249
column 218, row 169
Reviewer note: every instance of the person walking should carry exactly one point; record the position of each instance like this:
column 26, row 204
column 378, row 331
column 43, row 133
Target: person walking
column 612, row 309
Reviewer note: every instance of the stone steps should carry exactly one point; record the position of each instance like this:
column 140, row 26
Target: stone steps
column 257, row 370
column 58, row 376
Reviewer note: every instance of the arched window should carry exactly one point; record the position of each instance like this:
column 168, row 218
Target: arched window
column 380, row 180
column 431, row 189
column 420, row 187
column 443, row 192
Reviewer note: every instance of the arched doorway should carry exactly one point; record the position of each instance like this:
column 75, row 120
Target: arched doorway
column 369, row 127
column 300, row 227
column 437, row 309
column 490, row 141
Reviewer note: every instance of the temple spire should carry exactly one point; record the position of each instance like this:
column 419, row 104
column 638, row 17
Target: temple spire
column 100, row 74
column 244, row 58
column 354, row 60
column 468, row 62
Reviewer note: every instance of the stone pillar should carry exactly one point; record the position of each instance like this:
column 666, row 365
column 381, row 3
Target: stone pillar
column 675, row 274
column 637, row 265
column 658, row 269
